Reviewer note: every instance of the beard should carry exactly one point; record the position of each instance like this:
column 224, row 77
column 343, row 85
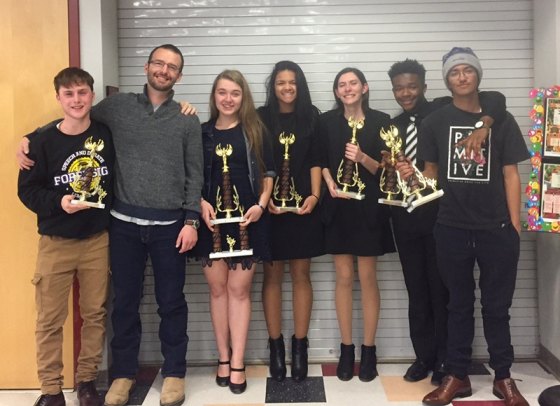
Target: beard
column 155, row 84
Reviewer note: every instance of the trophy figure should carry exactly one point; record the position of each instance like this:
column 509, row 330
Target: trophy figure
column 390, row 182
column 284, row 187
column 228, row 210
column 87, row 184
column 348, row 175
column 227, row 199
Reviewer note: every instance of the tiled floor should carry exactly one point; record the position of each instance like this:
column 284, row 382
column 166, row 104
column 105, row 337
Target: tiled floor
column 320, row 389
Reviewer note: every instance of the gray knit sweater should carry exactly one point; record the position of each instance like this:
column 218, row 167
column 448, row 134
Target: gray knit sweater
column 158, row 155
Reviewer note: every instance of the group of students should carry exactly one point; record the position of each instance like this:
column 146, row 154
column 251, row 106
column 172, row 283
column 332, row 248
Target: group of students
column 167, row 171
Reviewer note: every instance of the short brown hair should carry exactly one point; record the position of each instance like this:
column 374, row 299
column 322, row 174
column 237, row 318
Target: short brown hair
column 72, row 76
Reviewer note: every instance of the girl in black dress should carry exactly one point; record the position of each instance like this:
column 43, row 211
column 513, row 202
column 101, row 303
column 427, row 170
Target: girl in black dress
column 234, row 124
column 295, row 236
column 354, row 229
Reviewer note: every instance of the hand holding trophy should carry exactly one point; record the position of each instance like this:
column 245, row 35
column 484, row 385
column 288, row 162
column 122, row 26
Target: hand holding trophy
column 416, row 190
column 348, row 175
column 228, row 210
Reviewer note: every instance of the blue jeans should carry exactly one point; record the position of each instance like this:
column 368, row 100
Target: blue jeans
column 130, row 246
column 496, row 251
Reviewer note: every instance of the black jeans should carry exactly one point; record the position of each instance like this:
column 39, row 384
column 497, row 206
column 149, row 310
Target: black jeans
column 427, row 298
column 496, row 251
column 130, row 246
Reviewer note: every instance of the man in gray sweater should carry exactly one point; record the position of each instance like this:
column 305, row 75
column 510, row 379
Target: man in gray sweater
column 158, row 180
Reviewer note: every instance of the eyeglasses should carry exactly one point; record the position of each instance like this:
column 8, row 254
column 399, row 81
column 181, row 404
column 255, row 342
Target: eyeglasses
column 160, row 65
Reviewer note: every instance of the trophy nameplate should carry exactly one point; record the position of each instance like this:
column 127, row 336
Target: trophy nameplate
column 87, row 185
column 284, row 191
column 348, row 178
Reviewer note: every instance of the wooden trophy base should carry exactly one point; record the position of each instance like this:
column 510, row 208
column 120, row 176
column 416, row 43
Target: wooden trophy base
column 391, row 202
column 95, row 205
column 425, row 199
column 351, row 195
column 229, row 254
column 228, row 220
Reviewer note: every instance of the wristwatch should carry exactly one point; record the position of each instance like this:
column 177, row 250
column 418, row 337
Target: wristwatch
column 480, row 124
column 193, row 223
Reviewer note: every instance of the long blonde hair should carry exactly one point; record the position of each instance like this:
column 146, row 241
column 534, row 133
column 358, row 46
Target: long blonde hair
column 247, row 114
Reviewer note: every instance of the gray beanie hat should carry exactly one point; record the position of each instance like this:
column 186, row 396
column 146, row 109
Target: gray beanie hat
column 460, row 56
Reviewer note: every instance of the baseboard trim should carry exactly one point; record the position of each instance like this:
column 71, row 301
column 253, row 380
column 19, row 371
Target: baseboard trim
column 549, row 361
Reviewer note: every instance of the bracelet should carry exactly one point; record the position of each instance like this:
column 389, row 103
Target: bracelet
column 315, row 196
column 262, row 208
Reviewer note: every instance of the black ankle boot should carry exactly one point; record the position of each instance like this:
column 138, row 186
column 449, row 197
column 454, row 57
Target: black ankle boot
column 299, row 358
column 368, row 364
column 277, row 364
column 345, row 368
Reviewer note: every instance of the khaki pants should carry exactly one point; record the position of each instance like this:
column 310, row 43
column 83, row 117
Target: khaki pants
column 58, row 261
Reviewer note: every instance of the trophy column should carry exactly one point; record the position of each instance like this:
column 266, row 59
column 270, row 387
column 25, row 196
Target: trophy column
column 348, row 175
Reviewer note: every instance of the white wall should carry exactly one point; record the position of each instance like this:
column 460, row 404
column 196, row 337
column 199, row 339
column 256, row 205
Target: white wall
column 99, row 43
column 547, row 74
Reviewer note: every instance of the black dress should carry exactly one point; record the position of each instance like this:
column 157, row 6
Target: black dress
column 239, row 174
column 355, row 227
column 294, row 236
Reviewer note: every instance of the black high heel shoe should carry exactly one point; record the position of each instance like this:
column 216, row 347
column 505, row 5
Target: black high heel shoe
column 222, row 381
column 237, row 388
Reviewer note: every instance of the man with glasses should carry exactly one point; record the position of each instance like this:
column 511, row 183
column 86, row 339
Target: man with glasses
column 158, row 180
column 155, row 214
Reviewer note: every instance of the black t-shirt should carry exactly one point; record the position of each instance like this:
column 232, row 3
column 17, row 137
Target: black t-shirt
column 474, row 191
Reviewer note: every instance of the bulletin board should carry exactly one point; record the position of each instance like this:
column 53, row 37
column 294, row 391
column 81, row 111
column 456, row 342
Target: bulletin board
column 543, row 188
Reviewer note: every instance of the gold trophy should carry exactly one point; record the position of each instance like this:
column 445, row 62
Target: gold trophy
column 348, row 175
column 284, row 187
column 228, row 210
column 390, row 182
column 88, row 179
column 414, row 189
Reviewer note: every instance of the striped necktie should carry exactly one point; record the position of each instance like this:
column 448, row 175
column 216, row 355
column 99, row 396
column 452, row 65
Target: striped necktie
column 411, row 140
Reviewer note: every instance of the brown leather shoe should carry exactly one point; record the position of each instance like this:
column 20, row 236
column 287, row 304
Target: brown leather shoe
column 505, row 389
column 51, row 400
column 449, row 389
column 88, row 395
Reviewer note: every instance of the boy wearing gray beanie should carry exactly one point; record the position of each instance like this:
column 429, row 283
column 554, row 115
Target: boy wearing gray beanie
column 478, row 220
column 460, row 56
